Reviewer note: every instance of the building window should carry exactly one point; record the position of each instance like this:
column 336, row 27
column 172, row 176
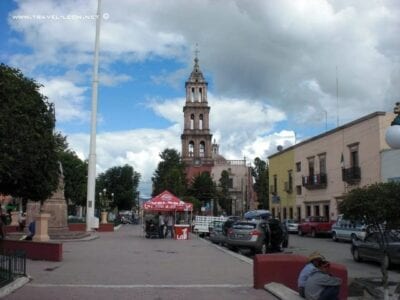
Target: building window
column 202, row 149
column 316, row 210
column 230, row 183
column 290, row 180
column 354, row 155
column 290, row 212
column 192, row 121
column 275, row 184
column 308, row 211
column 299, row 213
column 298, row 167
column 310, row 166
column 284, row 213
column 322, row 163
column 201, row 121
column 298, row 189
column 201, row 94
column 326, row 211
column 192, row 94
column 191, row 149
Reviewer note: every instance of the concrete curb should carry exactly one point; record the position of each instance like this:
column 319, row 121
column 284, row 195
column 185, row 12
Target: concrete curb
column 14, row 285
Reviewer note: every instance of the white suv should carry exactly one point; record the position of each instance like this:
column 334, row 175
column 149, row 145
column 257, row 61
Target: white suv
column 347, row 230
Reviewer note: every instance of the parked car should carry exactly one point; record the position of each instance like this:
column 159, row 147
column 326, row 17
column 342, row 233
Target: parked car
column 217, row 234
column 315, row 226
column 346, row 230
column 369, row 249
column 292, row 226
column 258, row 236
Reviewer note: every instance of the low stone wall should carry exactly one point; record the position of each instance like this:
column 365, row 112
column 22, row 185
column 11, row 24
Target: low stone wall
column 285, row 269
column 77, row 226
column 10, row 228
column 35, row 250
column 109, row 227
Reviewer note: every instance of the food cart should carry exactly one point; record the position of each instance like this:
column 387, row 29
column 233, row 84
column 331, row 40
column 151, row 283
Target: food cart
column 167, row 202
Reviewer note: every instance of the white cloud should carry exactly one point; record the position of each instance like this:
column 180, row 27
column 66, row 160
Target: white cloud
column 267, row 62
column 67, row 97
column 138, row 148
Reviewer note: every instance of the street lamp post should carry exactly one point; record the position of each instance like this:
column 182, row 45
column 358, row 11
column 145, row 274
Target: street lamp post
column 91, row 185
column 393, row 132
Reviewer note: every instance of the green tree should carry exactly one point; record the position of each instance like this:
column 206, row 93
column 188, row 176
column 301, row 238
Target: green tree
column 224, row 199
column 121, row 184
column 203, row 188
column 28, row 163
column 170, row 174
column 196, row 203
column 75, row 177
column 378, row 205
column 261, row 185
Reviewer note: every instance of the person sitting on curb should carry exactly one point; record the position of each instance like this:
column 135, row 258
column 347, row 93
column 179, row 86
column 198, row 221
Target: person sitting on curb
column 321, row 285
column 313, row 261
column 31, row 228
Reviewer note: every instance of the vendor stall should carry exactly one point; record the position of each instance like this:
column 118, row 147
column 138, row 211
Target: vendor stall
column 166, row 202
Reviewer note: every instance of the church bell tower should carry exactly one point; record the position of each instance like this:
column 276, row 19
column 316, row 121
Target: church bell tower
column 196, row 137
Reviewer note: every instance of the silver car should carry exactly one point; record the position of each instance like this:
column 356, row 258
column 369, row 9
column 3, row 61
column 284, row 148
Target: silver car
column 292, row 226
column 258, row 236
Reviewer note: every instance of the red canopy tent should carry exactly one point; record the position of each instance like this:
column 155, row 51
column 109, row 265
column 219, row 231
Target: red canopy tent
column 166, row 201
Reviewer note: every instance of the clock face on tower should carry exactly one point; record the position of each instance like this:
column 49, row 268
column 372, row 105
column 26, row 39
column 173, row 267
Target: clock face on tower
column 197, row 162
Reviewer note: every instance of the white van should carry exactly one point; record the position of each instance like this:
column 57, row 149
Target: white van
column 347, row 230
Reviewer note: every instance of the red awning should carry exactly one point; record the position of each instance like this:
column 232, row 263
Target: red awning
column 166, row 201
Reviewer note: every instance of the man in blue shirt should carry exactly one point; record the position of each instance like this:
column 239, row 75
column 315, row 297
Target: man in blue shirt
column 314, row 260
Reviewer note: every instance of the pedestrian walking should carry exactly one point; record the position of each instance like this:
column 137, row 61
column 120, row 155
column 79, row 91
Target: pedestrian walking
column 170, row 223
column 161, row 225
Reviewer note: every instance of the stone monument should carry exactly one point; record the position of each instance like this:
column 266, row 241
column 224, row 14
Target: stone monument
column 56, row 206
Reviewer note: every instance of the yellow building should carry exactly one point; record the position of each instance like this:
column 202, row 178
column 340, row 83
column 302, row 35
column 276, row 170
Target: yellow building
column 282, row 197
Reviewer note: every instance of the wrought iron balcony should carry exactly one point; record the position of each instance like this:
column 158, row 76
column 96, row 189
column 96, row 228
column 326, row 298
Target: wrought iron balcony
column 351, row 175
column 316, row 181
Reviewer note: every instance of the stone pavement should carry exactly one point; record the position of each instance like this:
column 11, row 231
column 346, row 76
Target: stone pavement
column 125, row 265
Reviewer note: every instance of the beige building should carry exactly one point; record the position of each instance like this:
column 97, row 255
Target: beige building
column 329, row 165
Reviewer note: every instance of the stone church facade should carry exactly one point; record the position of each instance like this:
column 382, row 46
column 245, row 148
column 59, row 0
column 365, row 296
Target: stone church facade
column 200, row 154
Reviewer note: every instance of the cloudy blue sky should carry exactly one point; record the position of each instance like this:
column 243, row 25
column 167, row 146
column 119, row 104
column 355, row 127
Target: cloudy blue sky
column 271, row 67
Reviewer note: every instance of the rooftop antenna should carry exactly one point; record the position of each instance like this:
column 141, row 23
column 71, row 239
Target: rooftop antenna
column 337, row 99
column 196, row 51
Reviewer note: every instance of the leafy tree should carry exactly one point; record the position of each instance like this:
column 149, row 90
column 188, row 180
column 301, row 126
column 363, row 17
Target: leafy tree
column 203, row 188
column 170, row 174
column 261, row 185
column 196, row 203
column 28, row 163
column 224, row 199
column 378, row 205
column 122, row 182
column 75, row 177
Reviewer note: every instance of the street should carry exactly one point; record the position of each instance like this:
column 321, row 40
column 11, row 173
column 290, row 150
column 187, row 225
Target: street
column 338, row 252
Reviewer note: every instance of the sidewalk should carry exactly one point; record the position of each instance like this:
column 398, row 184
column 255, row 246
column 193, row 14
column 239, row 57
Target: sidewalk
column 125, row 265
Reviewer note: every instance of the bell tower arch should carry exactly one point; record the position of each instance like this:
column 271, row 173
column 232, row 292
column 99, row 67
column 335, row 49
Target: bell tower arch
column 196, row 136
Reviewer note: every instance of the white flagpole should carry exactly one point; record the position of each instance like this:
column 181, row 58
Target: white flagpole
column 90, row 202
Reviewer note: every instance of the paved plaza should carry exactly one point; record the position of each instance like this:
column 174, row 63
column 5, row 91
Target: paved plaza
column 125, row 265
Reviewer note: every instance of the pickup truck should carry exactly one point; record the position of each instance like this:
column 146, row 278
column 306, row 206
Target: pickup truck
column 202, row 224
column 315, row 226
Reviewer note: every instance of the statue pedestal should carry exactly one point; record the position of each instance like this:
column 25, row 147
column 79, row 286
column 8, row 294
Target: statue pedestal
column 104, row 217
column 41, row 228
column 14, row 218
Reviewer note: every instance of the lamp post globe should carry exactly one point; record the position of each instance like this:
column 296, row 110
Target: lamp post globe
column 393, row 136
column 393, row 132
